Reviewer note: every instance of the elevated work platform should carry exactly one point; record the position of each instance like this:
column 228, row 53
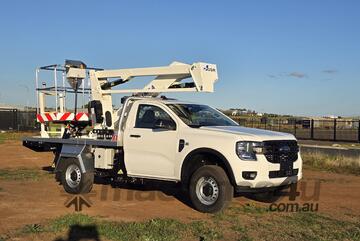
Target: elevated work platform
column 95, row 84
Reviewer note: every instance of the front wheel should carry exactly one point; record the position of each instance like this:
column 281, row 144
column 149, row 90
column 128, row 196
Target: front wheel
column 73, row 180
column 210, row 190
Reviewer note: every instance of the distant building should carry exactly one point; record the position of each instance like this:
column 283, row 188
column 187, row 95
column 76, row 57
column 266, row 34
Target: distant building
column 332, row 117
column 236, row 112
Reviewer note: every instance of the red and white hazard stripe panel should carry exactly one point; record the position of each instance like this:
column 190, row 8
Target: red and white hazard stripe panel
column 46, row 117
column 66, row 116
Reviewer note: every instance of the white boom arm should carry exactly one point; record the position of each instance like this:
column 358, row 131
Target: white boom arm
column 167, row 78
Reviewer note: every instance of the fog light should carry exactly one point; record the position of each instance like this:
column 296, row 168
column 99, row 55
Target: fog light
column 249, row 175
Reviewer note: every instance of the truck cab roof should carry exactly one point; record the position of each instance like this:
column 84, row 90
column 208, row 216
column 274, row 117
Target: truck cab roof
column 162, row 100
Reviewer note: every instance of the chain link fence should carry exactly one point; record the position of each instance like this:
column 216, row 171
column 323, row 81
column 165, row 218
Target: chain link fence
column 18, row 120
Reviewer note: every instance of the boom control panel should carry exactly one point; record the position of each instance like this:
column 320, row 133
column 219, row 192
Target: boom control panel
column 103, row 134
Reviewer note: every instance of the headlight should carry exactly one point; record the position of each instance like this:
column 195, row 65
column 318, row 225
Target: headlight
column 247, row 150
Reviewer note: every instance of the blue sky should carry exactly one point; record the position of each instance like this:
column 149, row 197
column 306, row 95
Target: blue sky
column 287, row 57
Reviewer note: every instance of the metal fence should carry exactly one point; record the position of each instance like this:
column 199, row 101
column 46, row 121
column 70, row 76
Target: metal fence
column 308, row 129
column 13, row 119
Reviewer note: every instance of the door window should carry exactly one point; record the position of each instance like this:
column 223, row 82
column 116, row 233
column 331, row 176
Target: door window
column 152, row 117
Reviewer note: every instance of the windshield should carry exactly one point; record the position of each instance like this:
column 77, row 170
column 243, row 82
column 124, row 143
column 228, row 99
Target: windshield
column 195, row 115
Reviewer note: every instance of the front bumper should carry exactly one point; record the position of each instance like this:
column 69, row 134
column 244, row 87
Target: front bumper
column 265, row 177
column 242, row 189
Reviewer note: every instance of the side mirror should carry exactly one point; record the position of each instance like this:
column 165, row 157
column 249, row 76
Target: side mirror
column 164, row 124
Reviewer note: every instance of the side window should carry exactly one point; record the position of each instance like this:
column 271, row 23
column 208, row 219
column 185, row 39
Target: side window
column 150, row 116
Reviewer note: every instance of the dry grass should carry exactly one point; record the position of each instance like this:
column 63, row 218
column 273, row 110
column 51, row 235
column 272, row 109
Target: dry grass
column 251, row 222
column 337, row 164
column 22, row 174
column 14, row 135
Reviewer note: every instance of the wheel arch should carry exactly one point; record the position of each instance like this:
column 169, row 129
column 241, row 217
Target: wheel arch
column 191, row 163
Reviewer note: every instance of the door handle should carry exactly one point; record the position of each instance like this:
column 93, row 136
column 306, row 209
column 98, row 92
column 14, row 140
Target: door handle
column 135, row 136
column 181, row 145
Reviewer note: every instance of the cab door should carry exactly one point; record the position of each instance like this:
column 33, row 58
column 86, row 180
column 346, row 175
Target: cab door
column 150, row 143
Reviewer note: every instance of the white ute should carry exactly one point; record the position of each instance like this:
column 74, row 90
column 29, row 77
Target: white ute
column 151, row 137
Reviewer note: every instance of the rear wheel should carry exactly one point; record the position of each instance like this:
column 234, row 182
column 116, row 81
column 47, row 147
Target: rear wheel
column 73, row 180
column 210, row 190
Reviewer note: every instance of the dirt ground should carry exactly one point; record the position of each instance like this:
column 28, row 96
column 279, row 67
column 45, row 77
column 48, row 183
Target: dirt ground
column 33, row 201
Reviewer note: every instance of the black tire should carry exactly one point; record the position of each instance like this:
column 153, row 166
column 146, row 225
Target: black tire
column 73, row 180
column 205, row 183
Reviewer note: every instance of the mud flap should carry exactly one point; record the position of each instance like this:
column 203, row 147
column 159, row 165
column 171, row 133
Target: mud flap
column 80, row 152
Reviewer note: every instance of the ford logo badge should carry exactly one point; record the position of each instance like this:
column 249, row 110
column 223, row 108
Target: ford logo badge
column 284, row 149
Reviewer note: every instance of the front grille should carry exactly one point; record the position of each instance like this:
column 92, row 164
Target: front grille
column 281, row 151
